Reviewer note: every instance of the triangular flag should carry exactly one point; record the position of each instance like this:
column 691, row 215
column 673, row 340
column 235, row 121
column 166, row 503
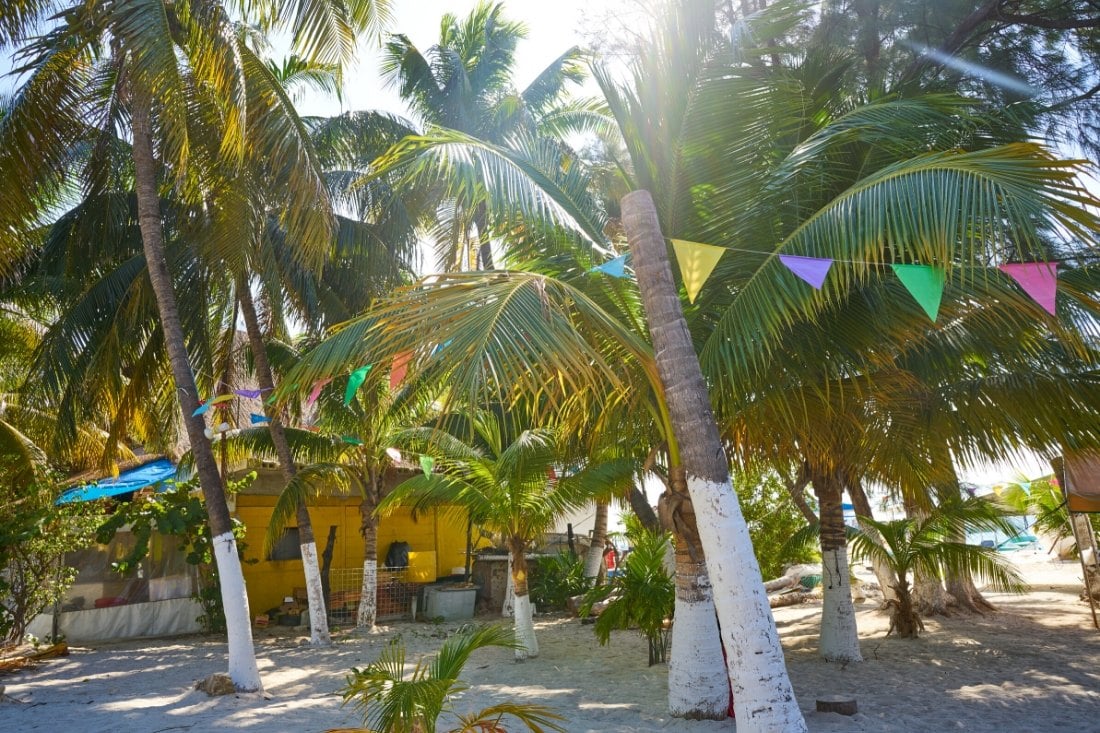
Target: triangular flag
column 201, row 408
column 614, row 268
column 355, row 381
column 248, row 393
column 258, row 419
column 697, row 261
column 925, row 284
column 811, row 269
column 351, row 440
column 222, row 399
column 399, row 369
column 1038, row 279
column 394, row 454
column 426, row 464
column 315, row 393
column 440, row 347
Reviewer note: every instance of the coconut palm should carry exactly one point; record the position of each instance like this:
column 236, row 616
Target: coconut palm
column 511, row 482
column 198, row 104
column 394, row 700
column 465, row 83
column 926, row 544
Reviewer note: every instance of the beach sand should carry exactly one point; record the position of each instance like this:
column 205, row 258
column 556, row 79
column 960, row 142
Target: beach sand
column 1033, row 666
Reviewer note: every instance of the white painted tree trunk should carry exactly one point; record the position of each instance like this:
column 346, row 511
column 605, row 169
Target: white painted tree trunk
column 839, row 638
column 242, row 661
column 318, row 623
column 886, row 577
column 594, row 559
column 368, row 596
column 508, row 610
column 527, row 646
column 697, row 688
column 763, row 698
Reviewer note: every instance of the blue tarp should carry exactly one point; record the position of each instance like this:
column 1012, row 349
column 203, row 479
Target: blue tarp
column 127, row 482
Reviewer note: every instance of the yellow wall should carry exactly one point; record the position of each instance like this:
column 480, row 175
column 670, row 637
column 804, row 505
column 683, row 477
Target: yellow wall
column 269, row 581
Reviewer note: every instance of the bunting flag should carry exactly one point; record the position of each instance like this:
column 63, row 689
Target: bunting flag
column 697, row 261
column 811, row 269
column 426, row 465
column 925, row 284
column 250, row 394
column 219, row 400
column 394, row 454
column 1038, row 279
column 355, row 381
column 351, row 440
column 614, row 268
column 399, row 369
column 315, row 393
column 258, row 419
column 440, row 347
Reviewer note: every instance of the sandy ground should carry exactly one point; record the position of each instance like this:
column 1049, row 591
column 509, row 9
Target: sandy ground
column 1034, row 666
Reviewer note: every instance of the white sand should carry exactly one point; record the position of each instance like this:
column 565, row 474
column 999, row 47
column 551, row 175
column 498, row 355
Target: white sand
column 1035, row 666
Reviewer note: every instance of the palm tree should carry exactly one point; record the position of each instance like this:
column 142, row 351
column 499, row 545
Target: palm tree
column 926, row 544
column 507, row 481
column 399, row 702
column 464, row 84
column 170, row 88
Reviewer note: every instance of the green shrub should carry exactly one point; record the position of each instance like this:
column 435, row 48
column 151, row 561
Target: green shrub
column 773, row 519
column 555, row 579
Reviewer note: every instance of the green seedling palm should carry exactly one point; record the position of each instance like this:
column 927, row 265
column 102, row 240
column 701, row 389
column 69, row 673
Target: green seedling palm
column 395, row 702
column 643, row 596
column 922, row 545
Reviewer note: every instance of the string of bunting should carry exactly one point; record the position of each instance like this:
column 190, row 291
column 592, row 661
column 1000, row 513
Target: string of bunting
column 1039, row 280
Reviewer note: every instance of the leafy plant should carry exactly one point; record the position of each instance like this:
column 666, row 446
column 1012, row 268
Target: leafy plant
column 924, row 544
column 180, row 512
column 394, row 702
column 35, row 534
column 643, row 595
column 556, row 579
column 772, row 518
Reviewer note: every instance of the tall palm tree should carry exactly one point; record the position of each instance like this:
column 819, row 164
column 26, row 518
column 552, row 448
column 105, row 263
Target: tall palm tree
column 465, row 83
column 199, row 104
column 510, row 482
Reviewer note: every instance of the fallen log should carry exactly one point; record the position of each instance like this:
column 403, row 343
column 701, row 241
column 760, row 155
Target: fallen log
column 787, row 599
column 19, row 661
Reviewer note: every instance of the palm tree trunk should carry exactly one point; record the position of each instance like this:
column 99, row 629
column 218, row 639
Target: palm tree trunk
column 887, row 578
column 929, row 596
column 698, row 682
column 639, row 504
column 318, row 616
column 594, row 558
column 763, row 697
column 367, row 615
column 526, row 645
column 839, row 635
column 242, row 656
column 485, row 248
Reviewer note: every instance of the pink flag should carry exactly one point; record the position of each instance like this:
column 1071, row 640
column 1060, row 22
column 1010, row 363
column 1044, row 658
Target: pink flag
column 399, row 369
column 811, row 269
column 315, row 393
column 1038, row 279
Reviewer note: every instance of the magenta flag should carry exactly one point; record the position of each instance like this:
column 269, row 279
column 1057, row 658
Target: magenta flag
column 1038, row 279
column 316, row 391
column 811, row 269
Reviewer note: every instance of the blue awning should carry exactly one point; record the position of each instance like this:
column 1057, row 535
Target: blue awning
column 127, row 482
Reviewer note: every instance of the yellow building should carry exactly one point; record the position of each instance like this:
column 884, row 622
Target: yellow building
column 437, row 540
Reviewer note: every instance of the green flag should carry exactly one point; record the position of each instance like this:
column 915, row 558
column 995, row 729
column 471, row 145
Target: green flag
column 355, row 381
column 426, row 464
column 925, row 284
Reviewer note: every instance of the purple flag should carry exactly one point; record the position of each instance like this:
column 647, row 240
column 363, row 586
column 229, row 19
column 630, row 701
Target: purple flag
column 1038, row 279
column 811, row 269
column 248, row 393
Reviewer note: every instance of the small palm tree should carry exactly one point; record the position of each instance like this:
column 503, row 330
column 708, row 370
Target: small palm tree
column 644, row 595
column 924, row 544
column 507, row 480
column 394, row 702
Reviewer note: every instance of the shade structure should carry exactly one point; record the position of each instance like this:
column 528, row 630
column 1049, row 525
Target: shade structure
column 150, row 474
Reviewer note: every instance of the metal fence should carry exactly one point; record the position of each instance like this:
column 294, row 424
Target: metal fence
column 395, row 595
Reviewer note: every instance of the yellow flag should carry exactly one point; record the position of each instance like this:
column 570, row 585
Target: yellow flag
column 697, row 261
